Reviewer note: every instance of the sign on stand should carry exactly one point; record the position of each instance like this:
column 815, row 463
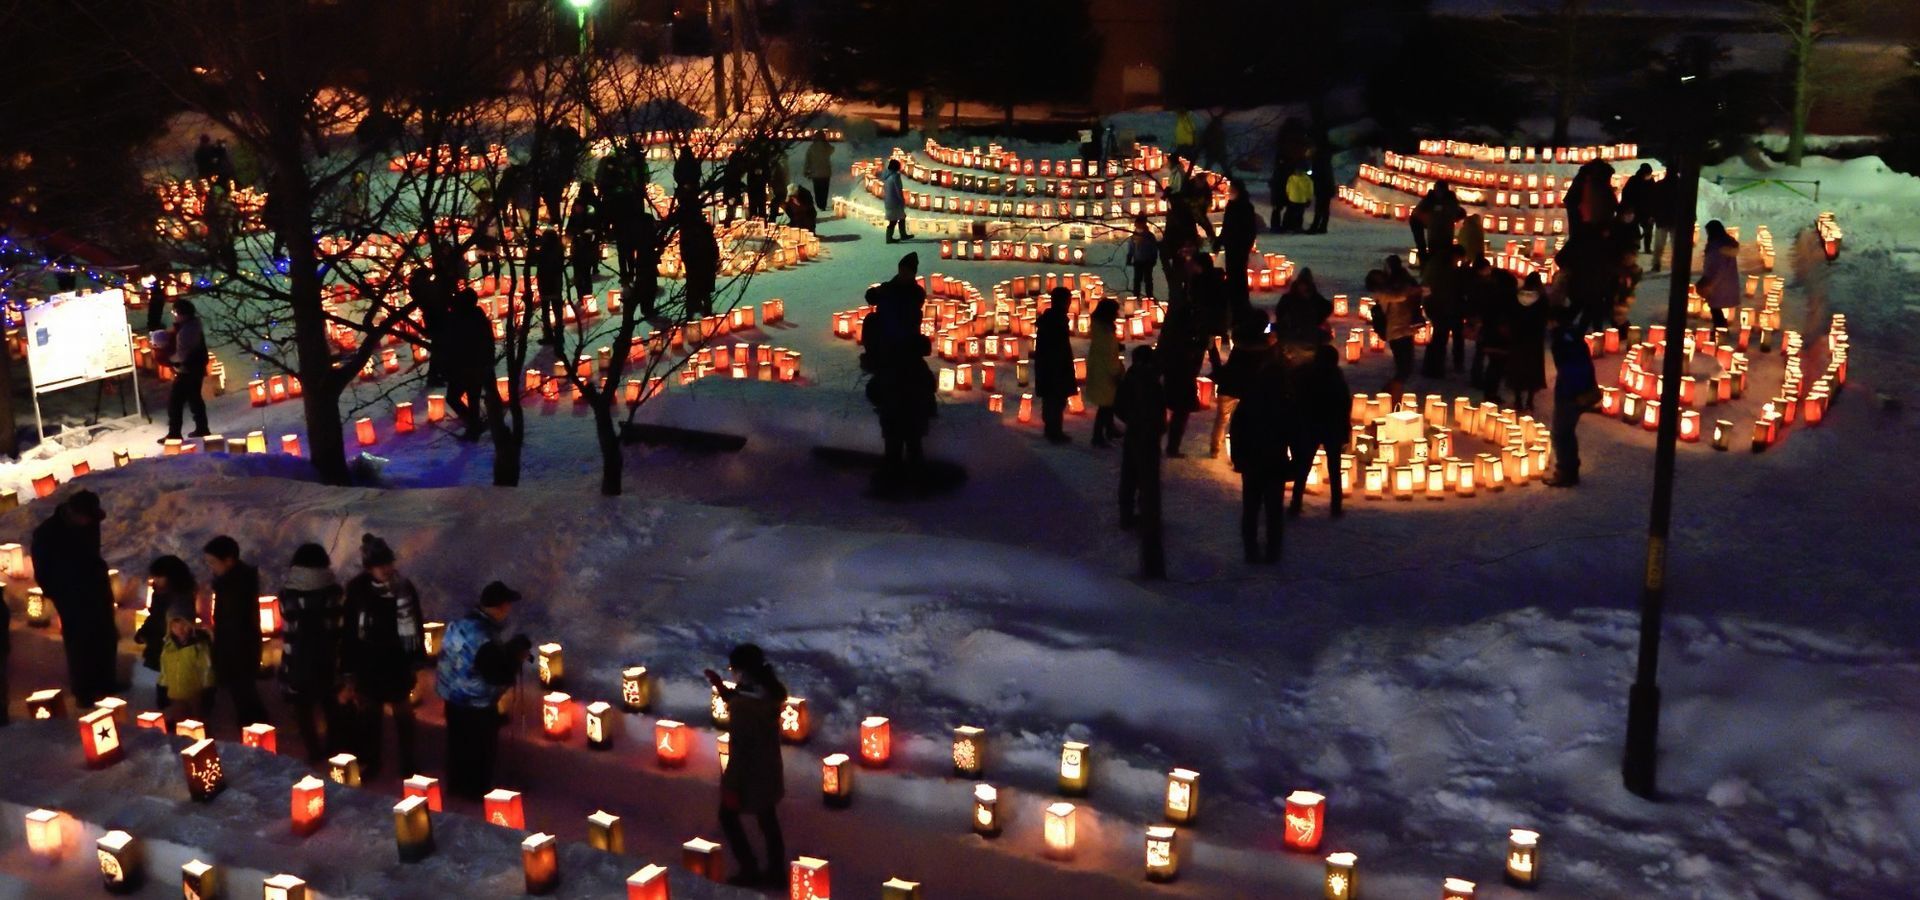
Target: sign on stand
column 74, row 339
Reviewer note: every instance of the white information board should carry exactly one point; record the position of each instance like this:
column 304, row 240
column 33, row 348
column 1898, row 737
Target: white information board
column 76, row 338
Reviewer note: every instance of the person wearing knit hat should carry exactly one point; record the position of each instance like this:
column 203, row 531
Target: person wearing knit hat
column 382, row 650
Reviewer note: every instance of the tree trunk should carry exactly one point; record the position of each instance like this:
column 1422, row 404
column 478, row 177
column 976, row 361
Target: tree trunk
column 1803, row 40
column 612, row 458
column 509, row 425
column 719, row 63
column 321, row 384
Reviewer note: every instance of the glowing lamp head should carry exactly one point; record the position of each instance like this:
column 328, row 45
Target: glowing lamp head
column 1163, row 855
column 100, row 738
column 671, row 743
column 636, row 688
column 344, row 769
column 602, row 724
column 969, row 751
column 876, row 741
column 503, row 808
column 606, row 832
column 1183, row 796
column 556, row 716
column 413, row 828
column 46, row 835
column 424, row 787
column 201, row 764
column 986, row 810
column 1523, row 857
column 836, row 780
column 1456, row 889
column 1059, row 830
column 540, row 860
column 809, row 878
column 649, row 883
column 1341, row 881
column 309, row 805
column 1305, row 820
column 703, row 858
column 1075, row 762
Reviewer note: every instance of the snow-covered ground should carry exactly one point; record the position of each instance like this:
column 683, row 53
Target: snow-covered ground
column 1441, row 671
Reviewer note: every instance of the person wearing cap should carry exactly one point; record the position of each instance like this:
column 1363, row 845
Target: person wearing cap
column 382, row 649
column 476, row 669
column 1053, row 380
column 311, row 609
column 901, row 386
column 236, row 628
column 68, row 567
column 188, row 356
column 753, row 781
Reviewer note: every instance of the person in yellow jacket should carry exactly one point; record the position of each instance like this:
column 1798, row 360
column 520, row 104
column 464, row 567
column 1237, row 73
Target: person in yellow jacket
column 1185, row 139
column 186, row 666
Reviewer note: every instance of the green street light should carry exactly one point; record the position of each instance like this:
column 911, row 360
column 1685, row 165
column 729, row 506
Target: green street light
column 580, row 8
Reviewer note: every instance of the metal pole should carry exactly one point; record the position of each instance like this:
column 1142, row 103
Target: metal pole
column 1639, row 767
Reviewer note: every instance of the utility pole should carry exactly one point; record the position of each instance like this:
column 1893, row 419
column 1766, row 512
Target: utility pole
column 1640, row 764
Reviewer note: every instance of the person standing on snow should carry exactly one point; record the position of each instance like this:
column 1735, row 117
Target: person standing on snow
column 1719, row 282
column 1053, row 380
column 382, row 649
column 68, row 567
column 186, row 667
column 1239, row 227
column 818, row 167
column 173, row 590
column 754, row 781
column 1575, row 390
column 1104, row 370
column 1319, row 422
column 894, row 195
column 699, row 256
column 476, row 669
column 894, row 352
column 1324, row 187
column 1260, row 442
column 311, row 611
column 187, row 352
column 236, row 629
column 1143, row 251
column 1638, row 195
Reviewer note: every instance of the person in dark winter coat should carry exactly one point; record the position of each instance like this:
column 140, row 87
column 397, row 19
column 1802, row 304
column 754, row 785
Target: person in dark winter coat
column 382, row 650
column 686, row 171
column 1143, row 251
column 1526, row 343
column 174, row 590
column 550, row 268
column 470, row 370
column 1053, row 380
column 1719, row 282
column 426, row 293
column 1213, row 143
column 700, row 254
column 236, row 629
column 1440, row 207
column 1239, row 227
column 1589, row 200
column 1446, row 304
column 800, row 210
column 1260, row 443
column 754, row 780
column 70, row 572
column 1320, row 409
column 1290, row 153
column 1494, row 299
column 1638, row 195
column 1324, row 187
column 901, row 386
column 311, row 612
column 1142, row 405
column 1300, row 318
column 187, row 353
column 1660, row 216
column 894, row 197
column 1183, row 349
column 1104, row 370
column 583, row 247
column 476, row 668
column 1575, row 390
column 818, row 168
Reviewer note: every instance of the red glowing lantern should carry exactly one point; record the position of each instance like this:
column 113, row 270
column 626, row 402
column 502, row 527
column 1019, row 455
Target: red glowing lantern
column 260, row 736
column 876, row 741
column 671, row 743
column 290, row 444
column 425, row 788
column 100, row 738
column 43, row 486
column 363, row 431
column 309, row 805
column 809, row 879
column 403, row 417
column 1305, row 820
column 257, row 392
column 502, row 807
column 270, row 621
column 702, row 857
column 650, row 883
column 556, row 716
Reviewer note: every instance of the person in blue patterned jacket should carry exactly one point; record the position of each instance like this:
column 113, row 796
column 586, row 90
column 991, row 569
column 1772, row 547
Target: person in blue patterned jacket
column 476, row 669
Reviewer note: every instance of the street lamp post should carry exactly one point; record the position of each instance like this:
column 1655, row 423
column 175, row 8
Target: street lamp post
column 580, row 8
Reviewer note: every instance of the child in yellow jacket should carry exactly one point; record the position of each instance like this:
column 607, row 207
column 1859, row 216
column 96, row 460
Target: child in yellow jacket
column 186, row 667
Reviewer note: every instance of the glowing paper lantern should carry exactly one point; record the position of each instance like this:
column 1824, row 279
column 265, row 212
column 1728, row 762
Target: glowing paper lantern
column 1523, row 857
column 900, row 889
column 702, row 857
column 1059, row 830
column 876, row 741
column 606, row 832
column 100, row 738
column 1075, row 761
column 122, row 863
column 39, row 611
column 1456, row 889
column 636, row 688
column 723, row 748
column 1163, row 857
column 48, row 704
column 270, row 621
column 403, row 417
column 836, row 781
column 283, row 887
column 151, row 720
column 260, row 736
column 795, row 724
column 503, row 808
column 556, row 716
column 413, row 828
column 363, row 431
column 46, row 835
column 309, row 805
column 540, row 859
column 201, row 763
column 1342, row 881
column 436, row 407
column 601, row 725
column 1305, row 820
column 550, row 660
column 290, row 444
column 809, row 879
column 969, row 751
column 986, row 810
column 650, row 883
column 344, row 769
column 432, row 636
column 1183, row 796
column 199, row 880
column 425, row 788
column 191, row 729
column 671, row 743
